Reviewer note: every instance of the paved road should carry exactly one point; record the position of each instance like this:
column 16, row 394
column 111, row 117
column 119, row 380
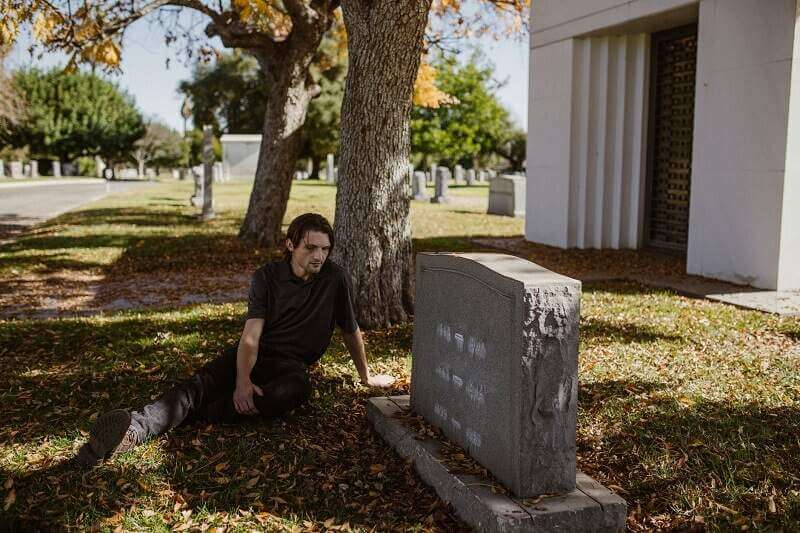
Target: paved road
column 23, row 205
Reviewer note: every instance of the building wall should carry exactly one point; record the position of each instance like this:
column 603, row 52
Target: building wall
column 739, row 161
column 587, row 123
column 240, row 157
column 789, row 258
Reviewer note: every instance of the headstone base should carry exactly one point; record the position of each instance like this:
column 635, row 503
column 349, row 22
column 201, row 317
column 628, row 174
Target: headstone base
column 590, row 507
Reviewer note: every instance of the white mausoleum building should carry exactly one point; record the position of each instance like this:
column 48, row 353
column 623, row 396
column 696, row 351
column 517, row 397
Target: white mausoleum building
column 240, row 155
column 671, row 124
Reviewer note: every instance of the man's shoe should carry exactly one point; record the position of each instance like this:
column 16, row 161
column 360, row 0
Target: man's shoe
column 110, row 435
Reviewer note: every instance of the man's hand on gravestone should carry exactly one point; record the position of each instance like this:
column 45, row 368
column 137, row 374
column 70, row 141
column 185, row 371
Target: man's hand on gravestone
column 379, row 380
column 243, row 397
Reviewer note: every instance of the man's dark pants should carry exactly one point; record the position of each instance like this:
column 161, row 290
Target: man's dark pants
column 208, row 395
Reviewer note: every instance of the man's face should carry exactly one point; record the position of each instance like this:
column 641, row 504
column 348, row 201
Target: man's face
column 309, row 256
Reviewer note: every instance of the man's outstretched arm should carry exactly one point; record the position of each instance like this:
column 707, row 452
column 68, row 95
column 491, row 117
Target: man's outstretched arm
column 355, row 345
column 246, row 357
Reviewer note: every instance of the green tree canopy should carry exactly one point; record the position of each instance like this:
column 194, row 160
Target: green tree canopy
column 160, row 146
column 77, row 114
column 472, row 126
column 231, row 95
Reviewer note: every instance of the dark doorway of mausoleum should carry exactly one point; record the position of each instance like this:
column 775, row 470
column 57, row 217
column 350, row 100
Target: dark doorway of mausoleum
column 672, row 90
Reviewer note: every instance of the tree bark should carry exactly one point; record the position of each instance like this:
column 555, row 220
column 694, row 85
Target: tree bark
column 373, row 229
column 291, row 89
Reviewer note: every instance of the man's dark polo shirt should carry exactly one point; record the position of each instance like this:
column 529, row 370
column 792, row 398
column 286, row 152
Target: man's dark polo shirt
column 300, row 315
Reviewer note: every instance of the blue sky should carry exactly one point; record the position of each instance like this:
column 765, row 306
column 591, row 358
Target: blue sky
column 154, row 86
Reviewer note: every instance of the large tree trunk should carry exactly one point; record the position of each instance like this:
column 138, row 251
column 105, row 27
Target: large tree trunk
column 290, row 91
column 373, row 229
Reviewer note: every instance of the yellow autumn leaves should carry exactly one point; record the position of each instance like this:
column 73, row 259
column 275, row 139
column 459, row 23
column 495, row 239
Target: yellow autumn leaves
column 81, row 33
column 426, row 93
column 265, row 16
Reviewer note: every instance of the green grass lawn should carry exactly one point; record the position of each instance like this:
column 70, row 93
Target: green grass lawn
column 689, row 409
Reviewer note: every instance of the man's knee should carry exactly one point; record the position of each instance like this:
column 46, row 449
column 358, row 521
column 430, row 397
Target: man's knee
column 283, row 394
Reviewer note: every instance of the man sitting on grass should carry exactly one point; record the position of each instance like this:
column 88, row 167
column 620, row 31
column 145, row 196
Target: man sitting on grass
column 292, row 308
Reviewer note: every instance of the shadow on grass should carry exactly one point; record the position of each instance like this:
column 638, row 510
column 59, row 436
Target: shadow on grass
column 668, row 454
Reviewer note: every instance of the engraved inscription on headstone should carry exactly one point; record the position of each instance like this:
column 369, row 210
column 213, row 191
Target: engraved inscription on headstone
column 501, row 383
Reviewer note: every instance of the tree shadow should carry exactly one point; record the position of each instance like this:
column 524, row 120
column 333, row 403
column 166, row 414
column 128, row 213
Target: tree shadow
column 596, row 329
column 665, row 451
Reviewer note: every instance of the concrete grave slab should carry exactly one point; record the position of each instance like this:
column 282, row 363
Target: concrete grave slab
column 588, row 507
column 495, row 359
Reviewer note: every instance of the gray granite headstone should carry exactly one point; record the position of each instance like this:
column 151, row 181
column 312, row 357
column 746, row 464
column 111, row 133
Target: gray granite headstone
column 471, row 176
column 208, row 170
column 330, row 176
column 57, row 169
column 502, row 383
column 442, row 182
column 507, row 196
column 418, row 185
column 458, row 174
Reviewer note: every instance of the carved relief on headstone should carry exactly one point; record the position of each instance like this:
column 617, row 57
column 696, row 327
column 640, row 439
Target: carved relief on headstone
column 501, row 383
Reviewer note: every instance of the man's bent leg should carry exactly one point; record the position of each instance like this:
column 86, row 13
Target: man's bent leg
column 284, row 393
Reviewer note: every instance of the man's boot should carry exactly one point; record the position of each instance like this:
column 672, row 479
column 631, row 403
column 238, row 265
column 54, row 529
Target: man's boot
column 110, row 435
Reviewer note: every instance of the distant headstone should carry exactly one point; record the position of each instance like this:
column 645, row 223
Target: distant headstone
column 99, row 166
column 330, row 169
column 34, row 168
column 492, row 173
column 507, row 196
column 175, row 173
column 502, row 383
column 432, row 173
column 69, row 169
column 16, row 169
column 129, row 173
column 482, row 176
column 458, row 174
column 208, row 169
column 442, row 182
column 471, row 176
column 57, row 168
column 2, row 168
column 150, row 173
column 218, row 175
column 418, row 185
column 26, row 170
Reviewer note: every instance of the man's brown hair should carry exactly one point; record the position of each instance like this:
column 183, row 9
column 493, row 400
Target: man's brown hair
column 302, row 225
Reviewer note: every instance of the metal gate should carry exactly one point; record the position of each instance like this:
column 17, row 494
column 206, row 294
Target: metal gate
column 672, row 125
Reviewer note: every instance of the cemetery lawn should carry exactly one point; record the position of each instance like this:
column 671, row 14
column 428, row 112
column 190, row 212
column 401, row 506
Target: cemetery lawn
column 689, row 409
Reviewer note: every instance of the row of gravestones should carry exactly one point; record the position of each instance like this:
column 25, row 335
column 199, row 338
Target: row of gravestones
column 20, row 170
column 441, row 177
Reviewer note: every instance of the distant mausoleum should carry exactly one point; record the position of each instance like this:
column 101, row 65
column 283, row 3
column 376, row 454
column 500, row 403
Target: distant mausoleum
column 240, row 155
column 669, row 124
